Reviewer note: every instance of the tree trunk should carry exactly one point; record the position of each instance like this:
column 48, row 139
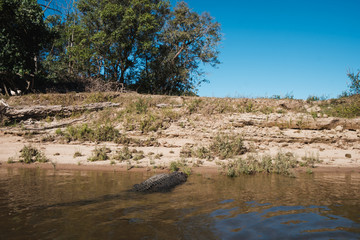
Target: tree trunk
column 39, row 112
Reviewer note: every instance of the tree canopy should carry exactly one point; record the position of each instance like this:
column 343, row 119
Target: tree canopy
column 24, row 35
column 187, row 40
column 140, row 43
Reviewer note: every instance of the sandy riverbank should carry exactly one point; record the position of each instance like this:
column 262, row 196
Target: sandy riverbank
column 170, row 126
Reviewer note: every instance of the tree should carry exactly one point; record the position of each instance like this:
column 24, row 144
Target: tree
column 187, row 41
column 23, row 34
column 354, row 83
column 115, row 34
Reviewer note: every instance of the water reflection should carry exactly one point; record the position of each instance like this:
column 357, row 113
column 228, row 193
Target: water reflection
column 44, row 204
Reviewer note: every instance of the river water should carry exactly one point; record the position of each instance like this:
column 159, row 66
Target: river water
column 49, row 204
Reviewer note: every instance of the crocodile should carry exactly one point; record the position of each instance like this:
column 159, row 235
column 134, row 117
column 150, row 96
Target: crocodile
column 160, row 183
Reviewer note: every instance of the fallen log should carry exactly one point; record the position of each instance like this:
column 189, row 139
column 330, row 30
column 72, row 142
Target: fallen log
column 51, row 125
column 39, row 111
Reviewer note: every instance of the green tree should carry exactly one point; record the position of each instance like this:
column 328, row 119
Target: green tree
column 354, row 83
column 115, row 34
column 23, row 34
column 187, row 41
column 59, row 60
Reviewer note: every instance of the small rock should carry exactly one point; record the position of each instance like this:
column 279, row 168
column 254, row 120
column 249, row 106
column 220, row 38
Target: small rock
column 339, row 128
column 348, row 155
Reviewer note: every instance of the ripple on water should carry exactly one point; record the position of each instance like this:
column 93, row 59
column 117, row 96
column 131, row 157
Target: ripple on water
column 43, row 204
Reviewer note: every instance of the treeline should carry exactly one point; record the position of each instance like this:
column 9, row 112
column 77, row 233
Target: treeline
column 145, row 45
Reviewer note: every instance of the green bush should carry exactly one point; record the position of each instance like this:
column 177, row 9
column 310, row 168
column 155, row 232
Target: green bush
column 123, row 154
column 29, row 154
column 227, row 146
column 174, row 166
column 100, row 154
column 280, row 164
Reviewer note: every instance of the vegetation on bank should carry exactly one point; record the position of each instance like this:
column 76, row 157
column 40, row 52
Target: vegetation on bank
column 222, row 146
column 280, row 164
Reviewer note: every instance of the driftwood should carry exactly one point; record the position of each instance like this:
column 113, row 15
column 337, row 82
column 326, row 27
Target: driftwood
column 39, row 112
column 164, row 105
column 160, row 183
column 51, row 125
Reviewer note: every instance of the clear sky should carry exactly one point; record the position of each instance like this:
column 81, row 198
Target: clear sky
column 298, row 47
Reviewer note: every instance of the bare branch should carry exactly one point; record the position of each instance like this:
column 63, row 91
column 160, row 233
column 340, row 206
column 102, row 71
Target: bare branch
column 50, row 8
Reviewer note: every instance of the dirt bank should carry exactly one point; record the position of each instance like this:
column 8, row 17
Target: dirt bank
column 159, row 130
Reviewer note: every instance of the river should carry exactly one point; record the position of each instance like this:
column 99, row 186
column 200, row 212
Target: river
column 62, row 204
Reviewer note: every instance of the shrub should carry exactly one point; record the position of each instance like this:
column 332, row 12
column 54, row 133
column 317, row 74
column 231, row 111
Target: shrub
column 223, row 146
column 354, row 83
column 77, row 154
column 141, row 106
column 180, row 165
column 101, row 133
column 186, row 170
column 194, row 105
column 29, row 154
column 348, row 107
column 280, row 164
column 174, row 166
column 312, row 99
column 100, row 154
column 123, row 154
column 309, row 161
column 226, row 146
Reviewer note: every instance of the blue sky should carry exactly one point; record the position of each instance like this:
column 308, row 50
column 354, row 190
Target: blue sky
column 283, row 47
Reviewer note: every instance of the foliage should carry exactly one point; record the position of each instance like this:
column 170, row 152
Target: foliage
column 280, row 164
column 180, row 166
column 347, row 107
column 83, row 132
column 309, row 161
column 23, row 35
column 113, row 35
column 174, row 166
column 100, row 154
column 77, row 154
column 188, row 39
column 312, row 99
column 29, row 154
column 354, row 83
column 223, row 146
column 140, row 43
column 226, row 146
column 123, row 154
